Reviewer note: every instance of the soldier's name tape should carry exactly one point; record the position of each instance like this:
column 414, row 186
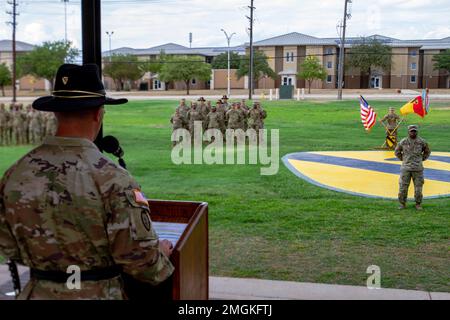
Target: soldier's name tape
column 368, row 173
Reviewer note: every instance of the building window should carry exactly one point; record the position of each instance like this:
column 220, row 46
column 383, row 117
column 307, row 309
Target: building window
column 194, row 81
column 329, row 64
column 413, row 53
column 156, row 84
column 329, row 51
column 289, row 57
column 413, row 79
column 413, row 66
column 329, row 78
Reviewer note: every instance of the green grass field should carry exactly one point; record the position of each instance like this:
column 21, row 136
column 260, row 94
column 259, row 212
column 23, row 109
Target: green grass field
column 281, row 227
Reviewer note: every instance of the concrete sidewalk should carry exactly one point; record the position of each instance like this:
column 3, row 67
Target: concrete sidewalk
column 254, row 289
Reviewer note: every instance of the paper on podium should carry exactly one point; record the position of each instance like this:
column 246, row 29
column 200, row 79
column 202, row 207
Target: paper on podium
column 169, row 231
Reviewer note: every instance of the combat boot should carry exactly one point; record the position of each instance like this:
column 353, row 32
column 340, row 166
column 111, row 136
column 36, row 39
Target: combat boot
column 419, row 207
column 402, row 206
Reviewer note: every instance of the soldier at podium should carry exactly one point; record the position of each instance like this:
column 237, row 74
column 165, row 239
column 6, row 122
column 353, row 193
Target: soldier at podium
column 66, row 205
column 391, row 122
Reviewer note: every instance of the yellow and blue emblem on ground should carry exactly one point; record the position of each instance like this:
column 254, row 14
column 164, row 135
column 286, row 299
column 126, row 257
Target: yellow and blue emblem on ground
column 368, row 173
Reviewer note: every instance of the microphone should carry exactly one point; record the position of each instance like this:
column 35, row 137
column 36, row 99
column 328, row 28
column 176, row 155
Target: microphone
column 111, row 145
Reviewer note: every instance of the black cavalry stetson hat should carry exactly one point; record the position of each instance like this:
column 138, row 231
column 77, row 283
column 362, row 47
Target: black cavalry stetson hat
column 76, row 88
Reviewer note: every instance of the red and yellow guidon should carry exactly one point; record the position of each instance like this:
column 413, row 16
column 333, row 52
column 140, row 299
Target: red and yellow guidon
column 367, row 173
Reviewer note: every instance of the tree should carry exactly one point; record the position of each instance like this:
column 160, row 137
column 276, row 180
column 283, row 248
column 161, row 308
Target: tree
column 221, row 61
column 154, row 65
column 43, row 61
column 122, row 68
column 5, row 77
column 261, row 67
column 185, row 68
column 442, row 60
column 311, row 69
column 369, row 54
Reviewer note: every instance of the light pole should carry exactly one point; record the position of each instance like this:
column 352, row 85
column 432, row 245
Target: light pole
column 342, row 51
column 110, row 33
column 65, row 19
column 229, row 81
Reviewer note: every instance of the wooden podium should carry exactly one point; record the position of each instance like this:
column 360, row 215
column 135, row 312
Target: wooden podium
column 190, row 255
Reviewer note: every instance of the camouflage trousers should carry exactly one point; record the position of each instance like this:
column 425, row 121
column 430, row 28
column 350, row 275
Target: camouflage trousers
column 405, row 180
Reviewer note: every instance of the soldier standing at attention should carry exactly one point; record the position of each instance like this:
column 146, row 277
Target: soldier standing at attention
column 2, row 124
column 244, row 115
column 51, row 125
column 234, row 117
column 204, row 110
column 412, row 151
column 8, row 126
column 183, row 109
column 214, row 119
column 194, row 115
column 27, row 123
column 177, row 123
column 263, row 113
column 221, row 111
column 17, row 124
column 255, row 118
column 65, row 204
column 35, row 126
column 225, row 103
column 391, row 121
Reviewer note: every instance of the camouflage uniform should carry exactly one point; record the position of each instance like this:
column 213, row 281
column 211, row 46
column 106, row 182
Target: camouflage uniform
column 391, row 121
column 2, row 124
column 25, row 113
column 183, row 109
column 214, row 120
column 220, row 108
column 263, row 113
column 79, row 209
column 412, row 152
column 194, row 115
column 176, row 121
column 17, row 125
column 234, row 118
column 204, row 110
column 51, row 124
column 255, row 119
column 8, row 127
column 35, row 127
column 243, row 125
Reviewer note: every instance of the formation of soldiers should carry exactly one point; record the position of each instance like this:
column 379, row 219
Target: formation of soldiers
column 222, row 116
column 21, row 126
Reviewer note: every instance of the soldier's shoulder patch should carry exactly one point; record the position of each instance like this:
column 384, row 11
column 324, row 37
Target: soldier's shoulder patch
column 145, row 218
column 139, row 197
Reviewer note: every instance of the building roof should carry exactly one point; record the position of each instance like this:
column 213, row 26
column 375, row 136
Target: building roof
column 6, row 46
column 293, row 38
column 176, row 49
column 299, row 39
column 289, row 39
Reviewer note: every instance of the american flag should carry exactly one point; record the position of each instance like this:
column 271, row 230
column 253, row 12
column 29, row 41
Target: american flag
column 368, row 115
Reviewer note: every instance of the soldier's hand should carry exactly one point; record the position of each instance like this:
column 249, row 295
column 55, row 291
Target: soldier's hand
column 166, row 247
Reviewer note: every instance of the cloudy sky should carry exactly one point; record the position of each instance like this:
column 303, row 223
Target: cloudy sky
column 146, row 23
